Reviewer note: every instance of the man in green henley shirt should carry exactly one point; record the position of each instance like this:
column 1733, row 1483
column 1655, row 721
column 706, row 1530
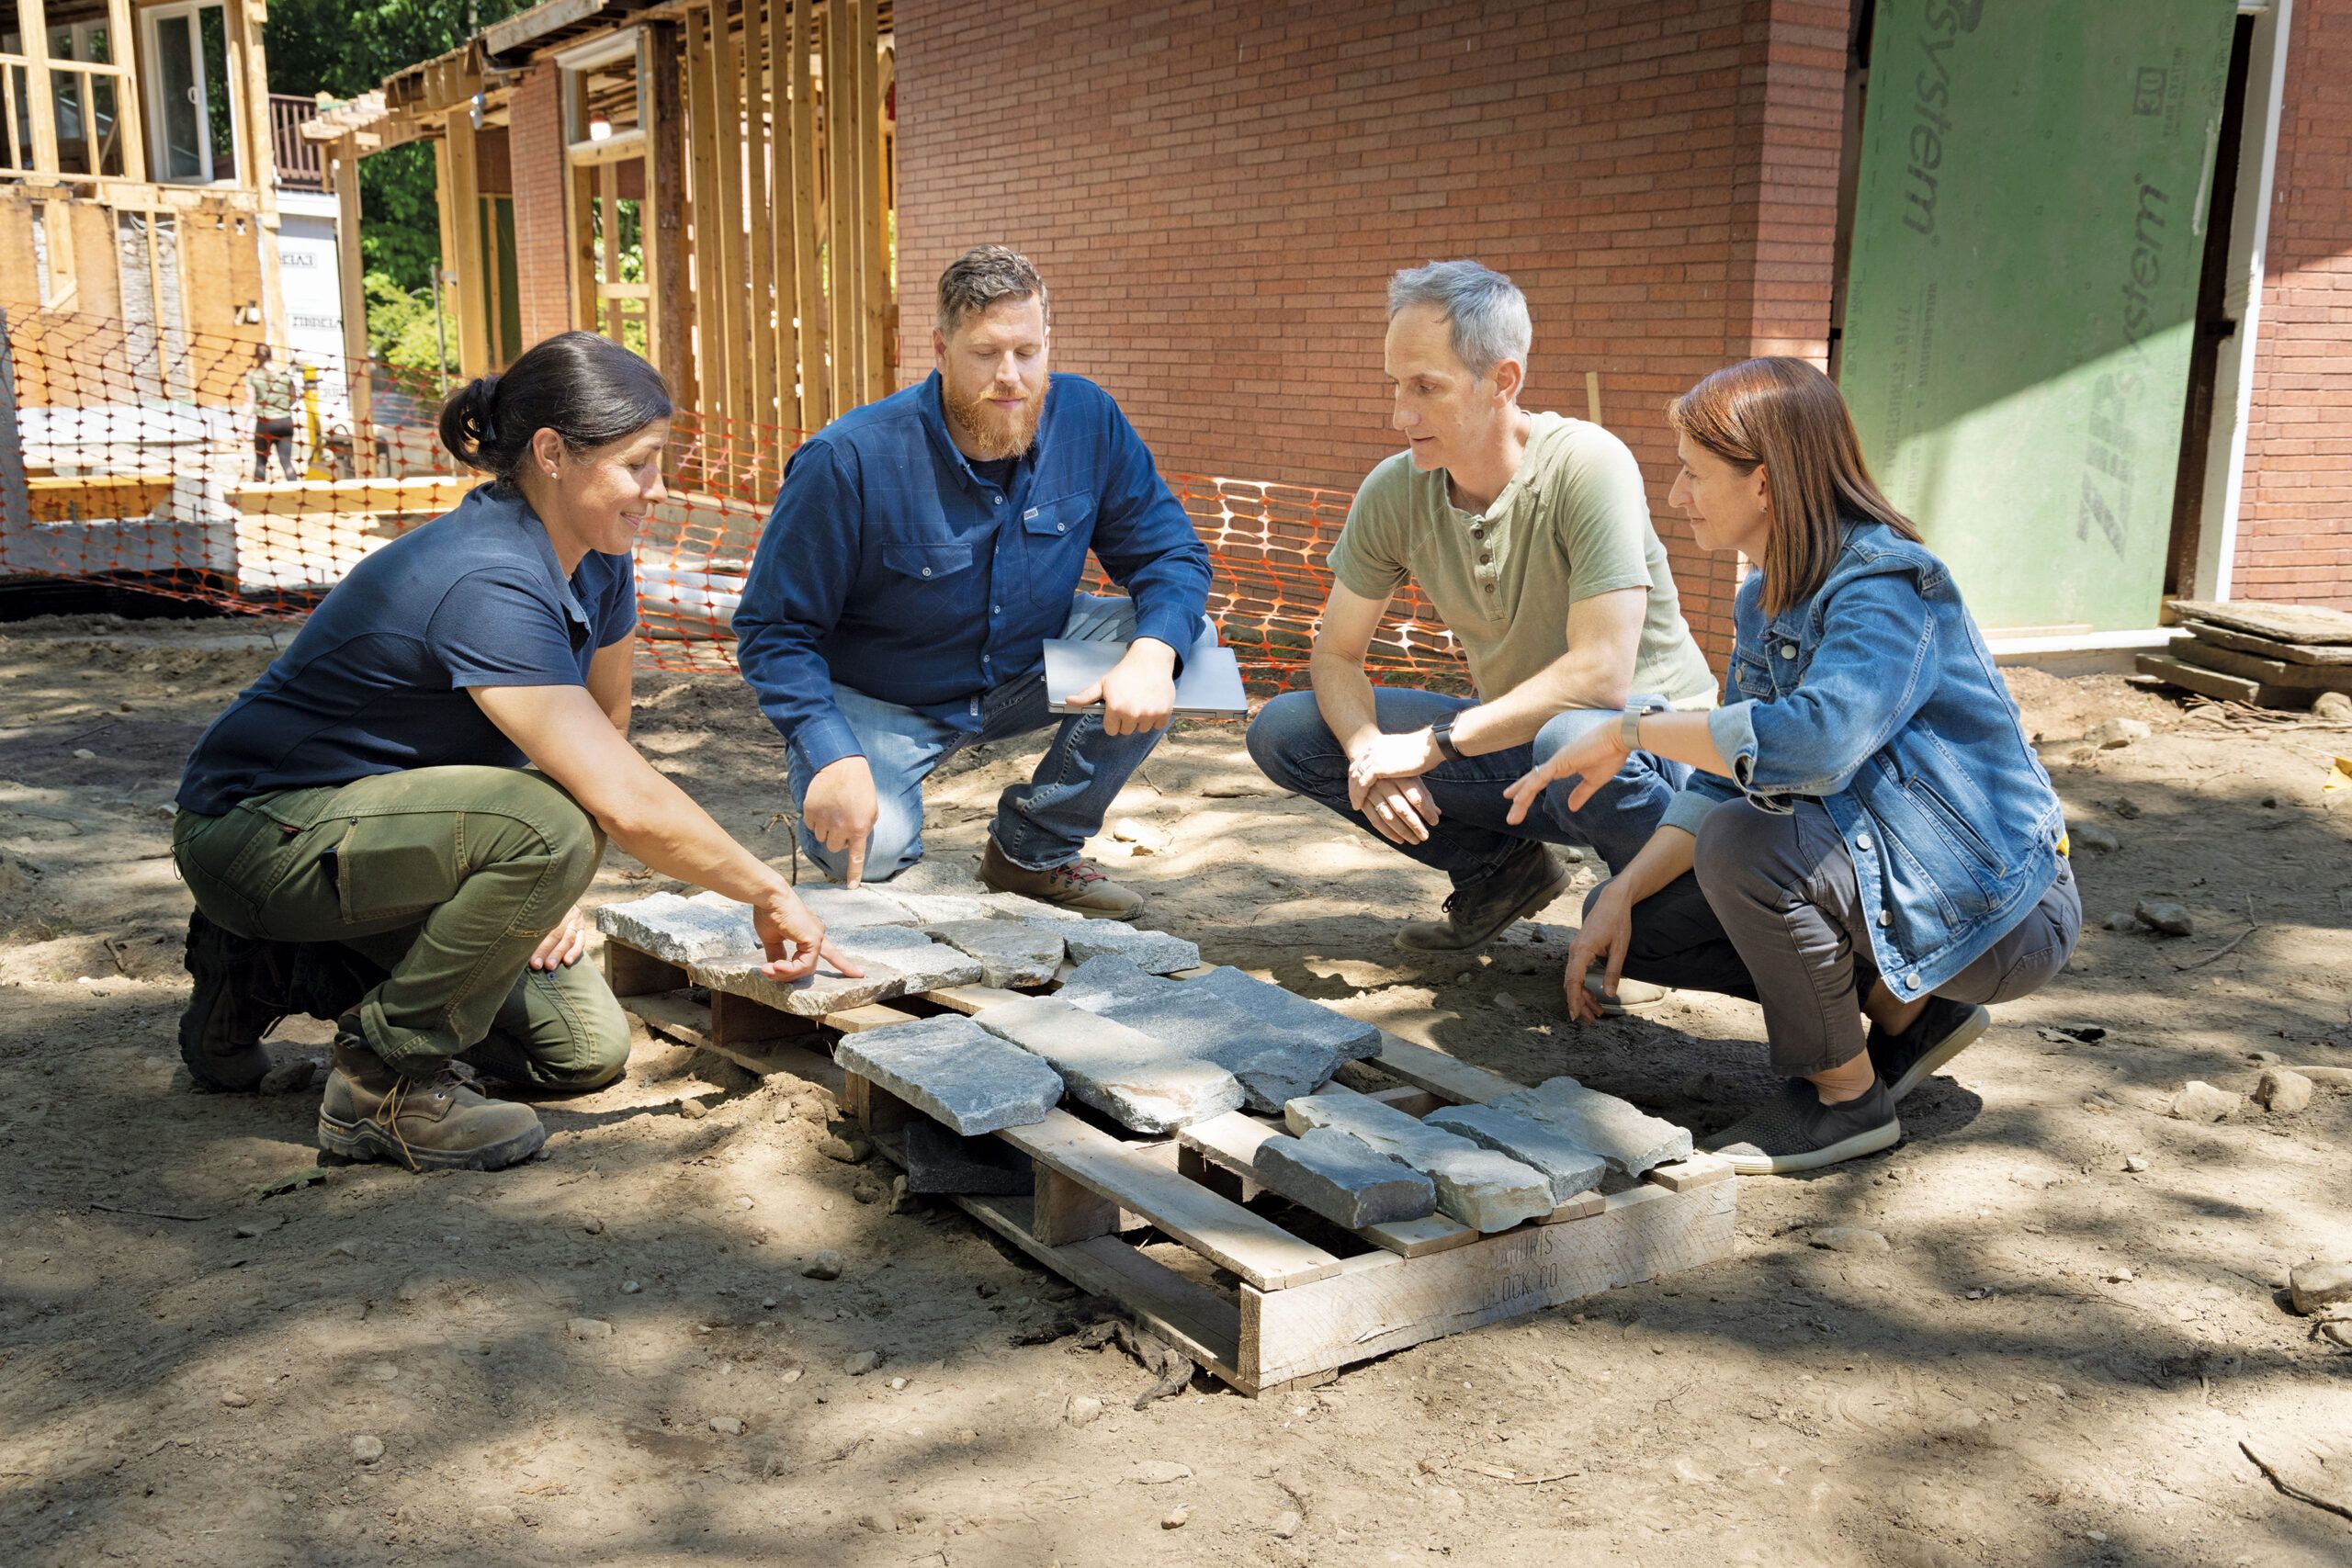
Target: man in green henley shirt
column 1530, row 536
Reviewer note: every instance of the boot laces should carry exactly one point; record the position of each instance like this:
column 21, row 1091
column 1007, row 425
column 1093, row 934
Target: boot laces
column 1080, row 874
column 448, row 1079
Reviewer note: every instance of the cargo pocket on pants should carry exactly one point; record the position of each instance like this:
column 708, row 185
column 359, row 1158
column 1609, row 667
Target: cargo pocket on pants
column 387, row 868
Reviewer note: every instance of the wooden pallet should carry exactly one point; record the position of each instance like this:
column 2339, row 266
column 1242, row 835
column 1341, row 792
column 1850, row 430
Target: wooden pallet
column 1272, row 1297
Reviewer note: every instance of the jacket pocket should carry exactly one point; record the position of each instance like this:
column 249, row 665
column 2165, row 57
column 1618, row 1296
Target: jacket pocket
column 1057, row 534
column 1954, row 826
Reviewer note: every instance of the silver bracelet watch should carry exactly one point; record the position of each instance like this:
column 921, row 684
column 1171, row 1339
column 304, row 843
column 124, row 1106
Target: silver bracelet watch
column 1629, row 727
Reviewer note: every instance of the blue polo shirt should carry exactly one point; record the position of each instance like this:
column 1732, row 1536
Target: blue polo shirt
column 891, row 566
column 376, row 682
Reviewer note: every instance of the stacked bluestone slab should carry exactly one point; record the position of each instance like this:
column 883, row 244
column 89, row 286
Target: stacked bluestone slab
column 905, row 943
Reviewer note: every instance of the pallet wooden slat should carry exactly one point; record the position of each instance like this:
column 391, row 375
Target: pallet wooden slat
column 2220, row 686
column 1370, row 1311
column 2284, row 623
column 2271, row 671
column 1219, row 1229
column 2324, row 654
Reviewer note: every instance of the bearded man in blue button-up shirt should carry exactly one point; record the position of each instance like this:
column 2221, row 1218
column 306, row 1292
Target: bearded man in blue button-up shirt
column 922, row 551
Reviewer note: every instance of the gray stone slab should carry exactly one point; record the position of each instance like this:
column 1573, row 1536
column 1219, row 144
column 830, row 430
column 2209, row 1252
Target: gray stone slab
column 1344, row 1179
column 938, row 909
column 827, row 990
column 1154, row 951
column 939, row 1163
column 926, row 964
column 956, row 1071
column 681, row 930
column 1108, row 980
column 844, row 909
column 1485, row 1190
column 1572, row 1167
column 1011, row 952
column 1345, row 1037
column 1274, row 1065
column 1020, row 907
column 1620, row 1133
column 1129, row 1075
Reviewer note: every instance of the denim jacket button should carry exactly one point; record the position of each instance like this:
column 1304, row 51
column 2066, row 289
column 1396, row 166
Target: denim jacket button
column 1788, row 650
column 926, row 571
column 1912, row 980
column 1886, row 917
column 1862, row 840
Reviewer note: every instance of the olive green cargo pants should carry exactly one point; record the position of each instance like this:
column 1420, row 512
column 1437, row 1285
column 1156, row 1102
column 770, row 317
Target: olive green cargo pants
column 446, row 878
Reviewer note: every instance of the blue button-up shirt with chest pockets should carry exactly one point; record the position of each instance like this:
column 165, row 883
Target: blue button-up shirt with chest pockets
column 893, row 568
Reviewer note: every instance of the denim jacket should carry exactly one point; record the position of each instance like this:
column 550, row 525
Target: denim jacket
column 1878, row 697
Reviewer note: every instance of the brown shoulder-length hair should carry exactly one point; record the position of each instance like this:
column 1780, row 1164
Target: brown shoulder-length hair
column 1788, row 416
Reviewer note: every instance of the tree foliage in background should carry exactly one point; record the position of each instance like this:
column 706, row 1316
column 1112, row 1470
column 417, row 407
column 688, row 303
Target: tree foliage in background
column 345, row 48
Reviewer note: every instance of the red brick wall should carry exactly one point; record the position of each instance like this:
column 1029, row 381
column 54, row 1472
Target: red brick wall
column 2294, row 538
column 1218, row 193
column 542, row 252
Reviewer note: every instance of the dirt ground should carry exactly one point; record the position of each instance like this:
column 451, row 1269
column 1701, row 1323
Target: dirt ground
column 2054, row 1361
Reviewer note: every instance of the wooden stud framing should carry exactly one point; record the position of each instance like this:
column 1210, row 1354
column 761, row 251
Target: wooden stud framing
column 874, row 254
column 32, row 23
column 785, row 276
column 727, row 88
column 360, row 384
column 127, row 110
column 816, row 397
column 465, row 240
column 758, row 159
column 841, row 185
column 668, row 316
column 711, row 343
column 245, row 50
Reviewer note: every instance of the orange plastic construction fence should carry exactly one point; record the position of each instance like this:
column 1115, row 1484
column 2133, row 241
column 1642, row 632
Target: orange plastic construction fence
column 136, row 456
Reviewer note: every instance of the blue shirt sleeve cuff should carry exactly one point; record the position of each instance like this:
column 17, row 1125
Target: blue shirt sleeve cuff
column 1172, row 627
column 821, row 742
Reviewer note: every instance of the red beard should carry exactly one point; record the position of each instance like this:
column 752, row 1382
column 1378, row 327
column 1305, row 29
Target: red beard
column 988, row 430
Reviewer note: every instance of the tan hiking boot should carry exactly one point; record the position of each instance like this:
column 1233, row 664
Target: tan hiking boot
column 1079, row 885
column 1529, row 879
column 370, row 1112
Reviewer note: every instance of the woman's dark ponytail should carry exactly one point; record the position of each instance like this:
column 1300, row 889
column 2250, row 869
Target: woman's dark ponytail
column 589, row 389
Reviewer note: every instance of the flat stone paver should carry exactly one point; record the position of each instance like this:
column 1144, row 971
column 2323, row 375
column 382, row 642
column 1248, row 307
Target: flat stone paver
column 1129, row 1075
column 1011, row 952
column 1344, row 1179
column 1274, row 1065
column 954, row 1072
column 1628, row 1137
column 680, row 930
column 1486, row 1190
column 844, row 909
column 814, row 996
column 1154, row 951
column 1345, row 1037
column 1572, row 1167
column 926, row 964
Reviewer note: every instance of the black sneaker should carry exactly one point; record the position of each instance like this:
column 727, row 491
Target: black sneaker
column 1942, row 1030
column 1528, row 879
column 1793, row 1130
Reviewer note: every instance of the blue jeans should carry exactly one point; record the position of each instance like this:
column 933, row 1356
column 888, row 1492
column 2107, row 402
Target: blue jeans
column 1291, row 743
column 1039, row 825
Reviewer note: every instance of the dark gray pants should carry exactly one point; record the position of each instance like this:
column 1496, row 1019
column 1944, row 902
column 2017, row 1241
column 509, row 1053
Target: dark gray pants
column 1771, row 913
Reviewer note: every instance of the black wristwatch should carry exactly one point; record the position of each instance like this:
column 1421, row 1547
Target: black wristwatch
column 1442, row 733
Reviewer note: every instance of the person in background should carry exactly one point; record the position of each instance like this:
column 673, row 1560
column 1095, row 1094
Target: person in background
column 272, row 390
column 371, row 789
column 1869, row 837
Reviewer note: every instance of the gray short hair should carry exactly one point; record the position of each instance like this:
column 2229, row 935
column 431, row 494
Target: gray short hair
column 1486, row 309
column 981, row 276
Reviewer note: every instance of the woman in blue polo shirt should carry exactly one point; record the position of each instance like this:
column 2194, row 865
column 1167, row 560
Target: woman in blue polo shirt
column 371, row 789
column 1871, row 835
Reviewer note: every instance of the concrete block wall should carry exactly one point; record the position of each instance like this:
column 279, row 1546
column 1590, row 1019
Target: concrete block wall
column 1217, row 195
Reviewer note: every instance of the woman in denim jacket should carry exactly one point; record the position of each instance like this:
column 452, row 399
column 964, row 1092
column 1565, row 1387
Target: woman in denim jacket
column 1868, row 835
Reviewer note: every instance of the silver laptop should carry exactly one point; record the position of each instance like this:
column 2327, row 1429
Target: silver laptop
column 1209, row 687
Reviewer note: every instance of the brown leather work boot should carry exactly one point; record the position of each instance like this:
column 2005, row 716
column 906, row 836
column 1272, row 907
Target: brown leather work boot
column 1079, row 885
column 370, row 1112
column 1527, row 880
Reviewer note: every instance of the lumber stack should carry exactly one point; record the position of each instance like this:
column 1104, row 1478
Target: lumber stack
column 2277, row 655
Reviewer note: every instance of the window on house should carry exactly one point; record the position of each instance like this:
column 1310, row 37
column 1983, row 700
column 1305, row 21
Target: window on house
column 193, row 94
column 85, row 82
